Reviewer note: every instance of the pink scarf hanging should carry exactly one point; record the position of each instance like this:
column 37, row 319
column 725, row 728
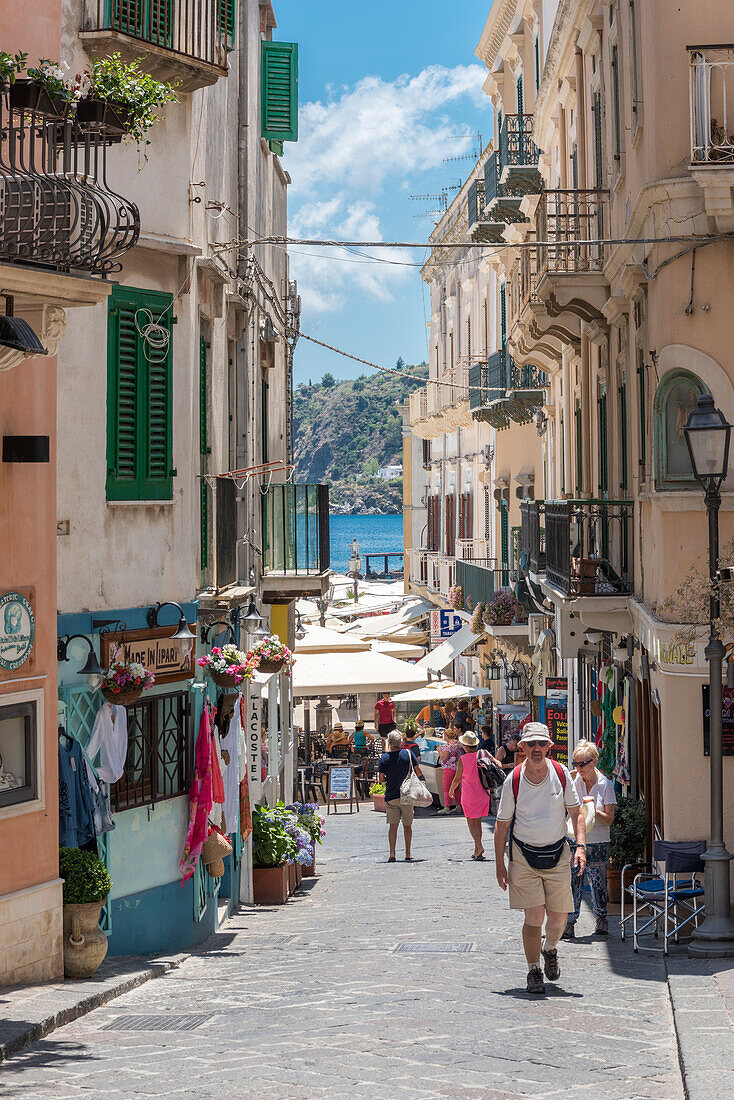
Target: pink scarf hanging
column 200, row 800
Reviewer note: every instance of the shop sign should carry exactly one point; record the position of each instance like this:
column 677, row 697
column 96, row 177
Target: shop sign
column 444, row 624
column 556, row 689
column 17, row 630
column 727, row 721
column 154, row 649
column 253, row 736
column 556, row 716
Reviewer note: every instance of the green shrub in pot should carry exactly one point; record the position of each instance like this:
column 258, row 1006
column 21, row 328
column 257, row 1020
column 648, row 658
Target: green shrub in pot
column 86, row 879
column 628, row 832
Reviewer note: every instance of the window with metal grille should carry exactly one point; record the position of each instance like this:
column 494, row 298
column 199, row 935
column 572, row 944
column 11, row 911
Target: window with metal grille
column 159, row 753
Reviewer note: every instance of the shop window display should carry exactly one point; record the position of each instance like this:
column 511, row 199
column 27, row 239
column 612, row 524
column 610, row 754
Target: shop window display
column 18, row 753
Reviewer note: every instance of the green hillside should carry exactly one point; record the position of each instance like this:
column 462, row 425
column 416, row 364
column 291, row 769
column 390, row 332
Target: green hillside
column 343, row 431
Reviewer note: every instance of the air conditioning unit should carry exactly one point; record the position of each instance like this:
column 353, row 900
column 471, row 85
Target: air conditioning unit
column 536, row 622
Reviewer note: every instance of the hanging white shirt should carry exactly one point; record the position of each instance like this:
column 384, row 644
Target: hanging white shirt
column 109, row 740
column 230, row 744
column 603, row 794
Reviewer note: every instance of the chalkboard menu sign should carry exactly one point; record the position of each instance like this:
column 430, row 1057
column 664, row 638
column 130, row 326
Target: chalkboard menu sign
column 341, row 788
column 727, row 721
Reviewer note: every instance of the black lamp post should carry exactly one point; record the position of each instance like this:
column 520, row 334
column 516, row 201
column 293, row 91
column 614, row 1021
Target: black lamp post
column 182, row 633
column 707, row 436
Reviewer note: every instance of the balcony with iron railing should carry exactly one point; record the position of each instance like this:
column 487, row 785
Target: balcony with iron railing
column 295, row 537
column 532, row 539
column 481, row 583
column 571, row 228
column 501, row 391
column 518, row 155
column 588, row 547
column 711, row 94
column 482, row 228
column 501, row 199
column 184, row 40
column 58, row 210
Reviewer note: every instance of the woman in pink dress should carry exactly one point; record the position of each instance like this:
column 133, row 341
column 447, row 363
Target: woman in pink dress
column 474, row 798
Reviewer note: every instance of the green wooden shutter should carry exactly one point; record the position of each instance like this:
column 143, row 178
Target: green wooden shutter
column 603, row 464
column 227, row 21
column 279, row 90
column 139, row 398
column 617, row 103
column 122, row 403
column 264, row 421
column 596, row 107
column 157, row 397
column 505, row 542
column 127, row 16
column 623, row 475
column 537, row 63
column 204, row 523
column 579, row 451
column 159, row 30
column 204, row 448
column 642, row 409
column 520, row 96
column 503, row 316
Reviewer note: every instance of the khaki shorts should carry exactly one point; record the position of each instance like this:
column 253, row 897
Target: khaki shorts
column 397, row 812
column 530, row 887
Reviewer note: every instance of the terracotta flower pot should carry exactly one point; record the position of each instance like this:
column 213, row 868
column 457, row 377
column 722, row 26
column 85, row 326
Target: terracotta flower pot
column 270, row 885
column 378, row 803
column 85, row 944
column 299, row 874
column 310, row 869
column 292, row 878
column 614, row 883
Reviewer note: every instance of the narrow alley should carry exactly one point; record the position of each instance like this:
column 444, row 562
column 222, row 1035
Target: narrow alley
column 394, row 980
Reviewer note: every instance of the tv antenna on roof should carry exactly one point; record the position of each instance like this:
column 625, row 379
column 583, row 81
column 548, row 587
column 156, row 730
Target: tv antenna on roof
column 476, row 150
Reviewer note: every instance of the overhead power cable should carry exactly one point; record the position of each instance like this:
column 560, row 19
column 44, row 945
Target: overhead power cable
column 566, row 242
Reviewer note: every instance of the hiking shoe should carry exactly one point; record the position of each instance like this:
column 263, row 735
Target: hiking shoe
column 445, row 810
column 569, row 932
column 602, row 927
column 535, row 979
column 550, row 964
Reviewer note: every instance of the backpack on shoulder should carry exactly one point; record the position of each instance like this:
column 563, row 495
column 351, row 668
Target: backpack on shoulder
column 540, row 857
column 491, row 775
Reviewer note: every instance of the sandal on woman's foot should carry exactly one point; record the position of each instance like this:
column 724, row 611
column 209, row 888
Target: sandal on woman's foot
column 479, row 858
column 391, row 859
column 409, row 859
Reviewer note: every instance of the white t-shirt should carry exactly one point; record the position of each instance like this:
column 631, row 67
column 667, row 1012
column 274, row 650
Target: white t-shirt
column 540, row 816
column 603, row 794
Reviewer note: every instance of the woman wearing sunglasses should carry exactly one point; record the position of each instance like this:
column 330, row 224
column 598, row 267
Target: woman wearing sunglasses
column 590, row 783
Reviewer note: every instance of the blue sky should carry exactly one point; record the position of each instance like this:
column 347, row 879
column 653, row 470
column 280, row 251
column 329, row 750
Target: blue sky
column 387, row 91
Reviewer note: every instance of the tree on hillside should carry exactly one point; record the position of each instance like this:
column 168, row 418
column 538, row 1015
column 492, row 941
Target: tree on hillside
column 400, row 363
column 328, row 380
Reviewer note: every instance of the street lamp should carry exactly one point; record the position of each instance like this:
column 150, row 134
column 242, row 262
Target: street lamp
column 707, row 436
column 182, row 633
column 91, row 669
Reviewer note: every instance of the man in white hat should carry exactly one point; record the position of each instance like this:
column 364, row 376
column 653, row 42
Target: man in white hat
column 535, row 799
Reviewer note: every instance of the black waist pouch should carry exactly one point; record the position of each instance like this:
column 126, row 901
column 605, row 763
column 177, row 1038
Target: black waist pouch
column 541, row 857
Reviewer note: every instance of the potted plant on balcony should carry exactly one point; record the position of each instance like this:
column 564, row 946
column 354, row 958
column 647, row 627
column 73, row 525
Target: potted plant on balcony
column 456, row 597
column 122, row 98
column 45, row 89
column 500, row 611
column 10, row 66
column 627, row 841
column 125, row 681
column 377, row 792
column 310, row 820
column 272, row 848
column 228, row 666
column 272, row 655
column 476, row 622
column 86, row 886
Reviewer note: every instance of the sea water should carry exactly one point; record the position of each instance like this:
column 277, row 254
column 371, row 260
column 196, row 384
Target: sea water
column 375, row 534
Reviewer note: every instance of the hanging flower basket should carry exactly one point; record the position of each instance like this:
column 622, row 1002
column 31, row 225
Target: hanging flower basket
column 31, row 95
column 228, row 666
column 223, row 680
column 127, row 697
column 100, row 112
column 270, row 666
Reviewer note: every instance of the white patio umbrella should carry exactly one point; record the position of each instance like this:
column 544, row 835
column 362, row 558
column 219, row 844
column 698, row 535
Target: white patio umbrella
column 358, row 672
column 435, row 692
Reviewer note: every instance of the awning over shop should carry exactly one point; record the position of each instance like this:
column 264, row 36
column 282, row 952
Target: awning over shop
column 444, row 654
column 402, row 650
column 380, row 625
column 353, row 671
column 319, row 639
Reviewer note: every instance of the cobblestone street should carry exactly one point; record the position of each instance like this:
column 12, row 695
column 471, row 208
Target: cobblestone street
column 312, row 999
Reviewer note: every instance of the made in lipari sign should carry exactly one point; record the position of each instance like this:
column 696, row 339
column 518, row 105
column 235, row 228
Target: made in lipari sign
column 155, row 649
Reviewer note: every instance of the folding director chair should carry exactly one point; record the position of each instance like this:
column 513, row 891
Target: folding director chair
column 663, row 897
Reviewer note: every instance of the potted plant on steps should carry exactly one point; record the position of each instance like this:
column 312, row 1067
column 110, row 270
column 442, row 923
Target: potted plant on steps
column 272, row 848
column 86, row 886
column 377, row 791
column 627, row 842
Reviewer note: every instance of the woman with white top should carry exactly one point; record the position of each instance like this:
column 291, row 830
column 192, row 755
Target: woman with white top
column 591, row 784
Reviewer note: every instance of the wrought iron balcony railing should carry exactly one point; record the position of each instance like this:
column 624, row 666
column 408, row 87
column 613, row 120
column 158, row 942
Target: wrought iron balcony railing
column 517, row 148
column 574, row 224
column 501, row 199
column 588, row 545
column 480, row 583
column 533, row 535
column 295, row 521
column 57, row 208
column 198, row 33
column 712, row 104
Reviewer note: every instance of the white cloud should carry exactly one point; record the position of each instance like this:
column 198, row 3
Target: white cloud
column 356, row 150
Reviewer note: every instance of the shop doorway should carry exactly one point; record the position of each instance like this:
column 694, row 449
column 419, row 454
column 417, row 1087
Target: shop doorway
column 650, row 761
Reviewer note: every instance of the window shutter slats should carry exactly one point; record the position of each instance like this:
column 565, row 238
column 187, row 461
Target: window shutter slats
column 227, row 21
column 279, row 90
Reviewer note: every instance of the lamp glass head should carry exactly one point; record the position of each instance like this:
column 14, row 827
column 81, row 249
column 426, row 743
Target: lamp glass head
column 184, row 636
column 708, row 435
column 252, row 618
